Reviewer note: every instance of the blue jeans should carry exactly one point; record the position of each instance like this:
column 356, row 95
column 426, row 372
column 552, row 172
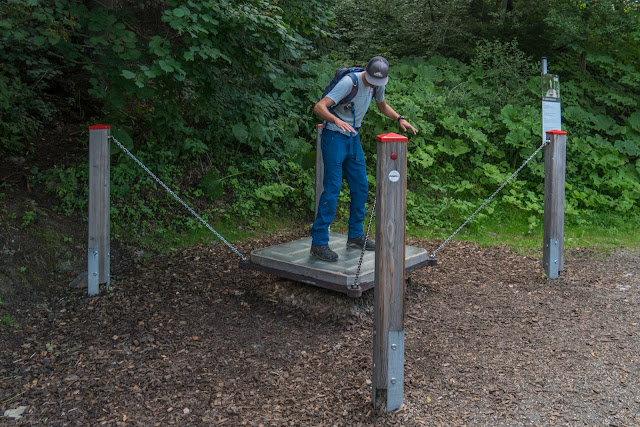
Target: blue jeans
column 342, row 155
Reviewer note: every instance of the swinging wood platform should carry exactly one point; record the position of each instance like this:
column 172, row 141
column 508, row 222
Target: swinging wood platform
column 292, row 261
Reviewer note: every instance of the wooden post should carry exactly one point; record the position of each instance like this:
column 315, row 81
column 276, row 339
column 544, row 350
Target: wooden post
column 319, row 169
column 555, row 165
column 388, row 332
column 98, row 259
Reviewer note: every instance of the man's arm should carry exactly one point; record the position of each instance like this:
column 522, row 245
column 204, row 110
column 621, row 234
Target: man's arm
column 388, row 111
column 322, row 110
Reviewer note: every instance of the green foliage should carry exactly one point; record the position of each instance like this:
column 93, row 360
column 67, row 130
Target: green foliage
column 27, row 218
column 9, row 321
column 469, row 142
column 25, row 71
column 69, row 185
column 215, row 98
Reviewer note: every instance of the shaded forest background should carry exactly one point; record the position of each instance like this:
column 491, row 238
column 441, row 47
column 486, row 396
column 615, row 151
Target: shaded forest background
column 215, row 97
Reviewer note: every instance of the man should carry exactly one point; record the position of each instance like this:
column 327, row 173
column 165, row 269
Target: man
column 342, row 153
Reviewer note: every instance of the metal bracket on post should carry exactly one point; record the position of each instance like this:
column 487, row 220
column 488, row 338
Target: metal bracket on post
column 93, row 265
column 551, row 258
column 395, row 378
column 108, row 266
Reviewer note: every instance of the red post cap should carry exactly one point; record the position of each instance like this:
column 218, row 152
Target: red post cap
column 95, row 127
column 556, row 132
column 319, row 125
column 392, row 137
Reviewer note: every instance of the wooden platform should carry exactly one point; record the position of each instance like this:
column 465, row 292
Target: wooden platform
column 292, row 260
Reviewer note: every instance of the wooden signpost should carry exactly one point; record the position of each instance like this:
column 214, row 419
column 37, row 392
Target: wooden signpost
column 555, row 165
column 388, row 329
column 99, row 227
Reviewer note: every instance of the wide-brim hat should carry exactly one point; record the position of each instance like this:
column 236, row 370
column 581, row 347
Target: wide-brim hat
column 377, row 71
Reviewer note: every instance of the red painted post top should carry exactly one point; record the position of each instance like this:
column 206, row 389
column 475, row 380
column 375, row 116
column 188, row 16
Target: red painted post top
column 320, row 125
column 392, row 137
column 96, row 127
column 556, row 132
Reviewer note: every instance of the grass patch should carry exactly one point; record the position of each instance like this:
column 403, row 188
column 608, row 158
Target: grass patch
column 9, row 321
column 500, row 225
column 231, row 230
column 523, row 233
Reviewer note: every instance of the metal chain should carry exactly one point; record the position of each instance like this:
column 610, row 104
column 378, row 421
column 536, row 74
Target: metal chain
column 433, row 255
column 366, row 237
column 178, row 199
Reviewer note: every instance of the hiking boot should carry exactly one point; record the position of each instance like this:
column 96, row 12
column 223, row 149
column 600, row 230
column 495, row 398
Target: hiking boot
column 324, row 252
column 358, row 242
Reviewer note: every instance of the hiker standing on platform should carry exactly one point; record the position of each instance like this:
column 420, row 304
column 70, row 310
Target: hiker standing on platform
column 342, row 107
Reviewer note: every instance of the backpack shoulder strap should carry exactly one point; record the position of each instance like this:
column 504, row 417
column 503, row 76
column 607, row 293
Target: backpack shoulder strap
column 354, row 88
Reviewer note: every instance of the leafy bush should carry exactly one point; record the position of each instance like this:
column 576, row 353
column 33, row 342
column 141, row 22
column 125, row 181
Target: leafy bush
column 26, row 71
column 469, row 143
column 216, row 99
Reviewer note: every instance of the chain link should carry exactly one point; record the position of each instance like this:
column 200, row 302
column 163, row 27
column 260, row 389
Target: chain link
column 366, row 237
column 433, row 255
column 178, row 199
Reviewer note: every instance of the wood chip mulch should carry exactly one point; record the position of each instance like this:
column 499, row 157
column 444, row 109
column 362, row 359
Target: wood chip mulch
column 191, row 339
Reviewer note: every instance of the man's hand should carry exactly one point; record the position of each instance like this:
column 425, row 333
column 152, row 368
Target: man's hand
column 344, row 126
column 404, row 125
column 389, row 112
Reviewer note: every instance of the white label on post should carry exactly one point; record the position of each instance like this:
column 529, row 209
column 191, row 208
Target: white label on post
column 394, row 176
column 551, row 117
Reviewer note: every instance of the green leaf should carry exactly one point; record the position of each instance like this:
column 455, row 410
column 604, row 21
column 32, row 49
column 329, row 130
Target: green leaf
column 165, row 66
column 122, row 136
column 628, row 147
column 289, row 99
column 634, row 121
column 240, row 131
column 454, row 147
column 421, row 158
column 273, row 191
column 150, row 73
column 128, row 75
column 211, row 184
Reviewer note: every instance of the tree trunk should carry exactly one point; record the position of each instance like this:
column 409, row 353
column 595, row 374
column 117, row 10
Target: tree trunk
column 583, row 61
column 506, row 5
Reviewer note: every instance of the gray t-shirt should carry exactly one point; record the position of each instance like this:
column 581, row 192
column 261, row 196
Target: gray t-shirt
column 361, row 101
